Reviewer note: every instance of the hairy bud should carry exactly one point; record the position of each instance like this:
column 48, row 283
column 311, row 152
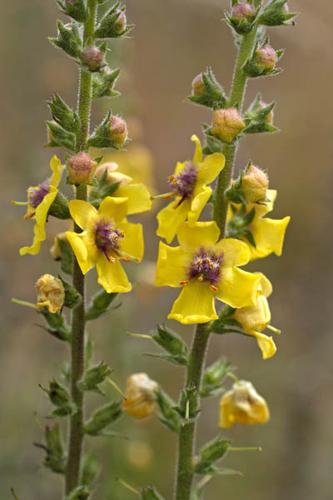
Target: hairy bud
column 50, row 293
column 254, row 184
column 198, row 86
column 118, row 130
column 265, row 58
column 227, row 124
column 81, row 168
column 93, row 58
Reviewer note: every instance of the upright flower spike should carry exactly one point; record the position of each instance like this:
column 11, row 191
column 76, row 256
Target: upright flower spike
column 243, row 405
column 140, row 396
column 206, row 268
column 137, row 194
column 190, row 190
column 255, row 319
column 106, row 240
column 40, row 199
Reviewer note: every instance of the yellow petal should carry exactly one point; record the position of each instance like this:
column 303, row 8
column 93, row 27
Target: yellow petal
column 172, row 265
column 198, row 234
column 265, row 286
column 238, row 288
column 82, row 212
column 40, row 221
column 210, row 168
column 139, row 199
column 80, row 251
column 114, row 208
column 235, row 252
column 198, row 203
column 195, row 304
column 269, row 236
column 266, row 344
column 57, row 170
column 179, row 167
column 170, row 218
column 198, row 149
column 132, row 243
column 111, row 276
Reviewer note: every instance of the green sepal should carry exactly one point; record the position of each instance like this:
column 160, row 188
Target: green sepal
column 214, row 377
column 81, row 492
column 72, row 296
column 60, row 397
column 213, row 96
column 103, row 417
column 150, row 493
column 189, row 404
column 100, row 304
column 173, row 344
column 224, row 321
column 213, row 143
column 57, row 325
column 107, row 26
column 234, row 193
column 210, row 454
column 66, row 258
column 63, row 114
column 101, row 136
column 58, row 137
column 239, row 225
column 68, row 39
column 101, row 188
column 93, row 377
column 274, row 14
column 76, row 10
column 55, row 458
column 169, row 416
column 90, row 470
column 59, row 208
column 103, row 83
column 257, row 118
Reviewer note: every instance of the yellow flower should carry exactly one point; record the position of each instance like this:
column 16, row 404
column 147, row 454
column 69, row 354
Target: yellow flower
column 50, row 293
column 189, row 190
column 243, row 405
column 255, row 319
column 206, row 269
column 140, row 396
column 268, row 234
column 106, row 239
column 40, row 199
column 139, row 198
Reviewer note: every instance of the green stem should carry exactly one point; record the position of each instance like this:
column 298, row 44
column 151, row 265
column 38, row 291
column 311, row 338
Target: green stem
column 237, row 94
column 76, row 432
column 187, row 434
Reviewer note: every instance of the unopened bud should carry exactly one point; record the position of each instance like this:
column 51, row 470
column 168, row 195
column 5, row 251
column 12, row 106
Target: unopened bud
column 120, row 24
column 243, row 405
column 227, row 124
column 140, row 396
column 254, row 184
column 198, row 86
column 118, row 130
column 242, row 11
column 81, row 168
column 269, row 118
column 93, row 58
column 265, row 58
column 50, row 293
column 112, row 176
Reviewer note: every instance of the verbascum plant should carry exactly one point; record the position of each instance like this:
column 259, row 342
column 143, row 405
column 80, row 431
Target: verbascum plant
column 213, row 226
column 97, row 234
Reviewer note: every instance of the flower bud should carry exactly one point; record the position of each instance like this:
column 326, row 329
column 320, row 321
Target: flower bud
column 243, row 405
column 242, row 11
column 254, row 184
column 50, row 293
column 198, row 86
column 269, row 118
column 81, row 168
column 118, row 130
column 140, row 396
column 112, row 176
column 227, row 124
column 120, row 24
column 265, row 59
column 93, row 58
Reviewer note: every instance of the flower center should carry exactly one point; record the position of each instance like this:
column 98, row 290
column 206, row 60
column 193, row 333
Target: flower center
column 183, row 184
column 37, row 195
column 206, row 266
column 107, row 238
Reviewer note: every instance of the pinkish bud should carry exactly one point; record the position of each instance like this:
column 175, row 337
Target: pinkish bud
column 254, row 184
column 118, row 131
column 265, row 58
column 242, row 11
column 120, row 24
column 198, row 86
column 81, row 168
column 227, row 124
column 93, row 58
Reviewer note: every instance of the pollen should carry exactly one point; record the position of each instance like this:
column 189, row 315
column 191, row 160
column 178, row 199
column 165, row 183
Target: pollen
column 206, row 267
column 107, row 238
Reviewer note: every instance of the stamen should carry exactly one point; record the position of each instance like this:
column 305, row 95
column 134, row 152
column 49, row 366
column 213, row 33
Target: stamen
column 183, row 184
column 37, row 195
column 206, row 266
column 107, row 239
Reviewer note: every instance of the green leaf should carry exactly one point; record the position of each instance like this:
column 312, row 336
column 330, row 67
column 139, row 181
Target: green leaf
column 68, row 39
column 94, row 376
column 100, row 304
column 103, row 83
column 101, row 189
column 103, row 417
column 55, row 458
column 210, row 454
column 173, row 344
column 214, row 377
column 66, row 256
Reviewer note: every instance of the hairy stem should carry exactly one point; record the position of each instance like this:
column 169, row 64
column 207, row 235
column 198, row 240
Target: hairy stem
column 76, row 432
column 187, row 434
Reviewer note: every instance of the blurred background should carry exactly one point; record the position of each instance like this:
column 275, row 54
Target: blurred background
column 172, row 42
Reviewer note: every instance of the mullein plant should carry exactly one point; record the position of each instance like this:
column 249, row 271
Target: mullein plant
column 205, row 258
column 98, row 233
